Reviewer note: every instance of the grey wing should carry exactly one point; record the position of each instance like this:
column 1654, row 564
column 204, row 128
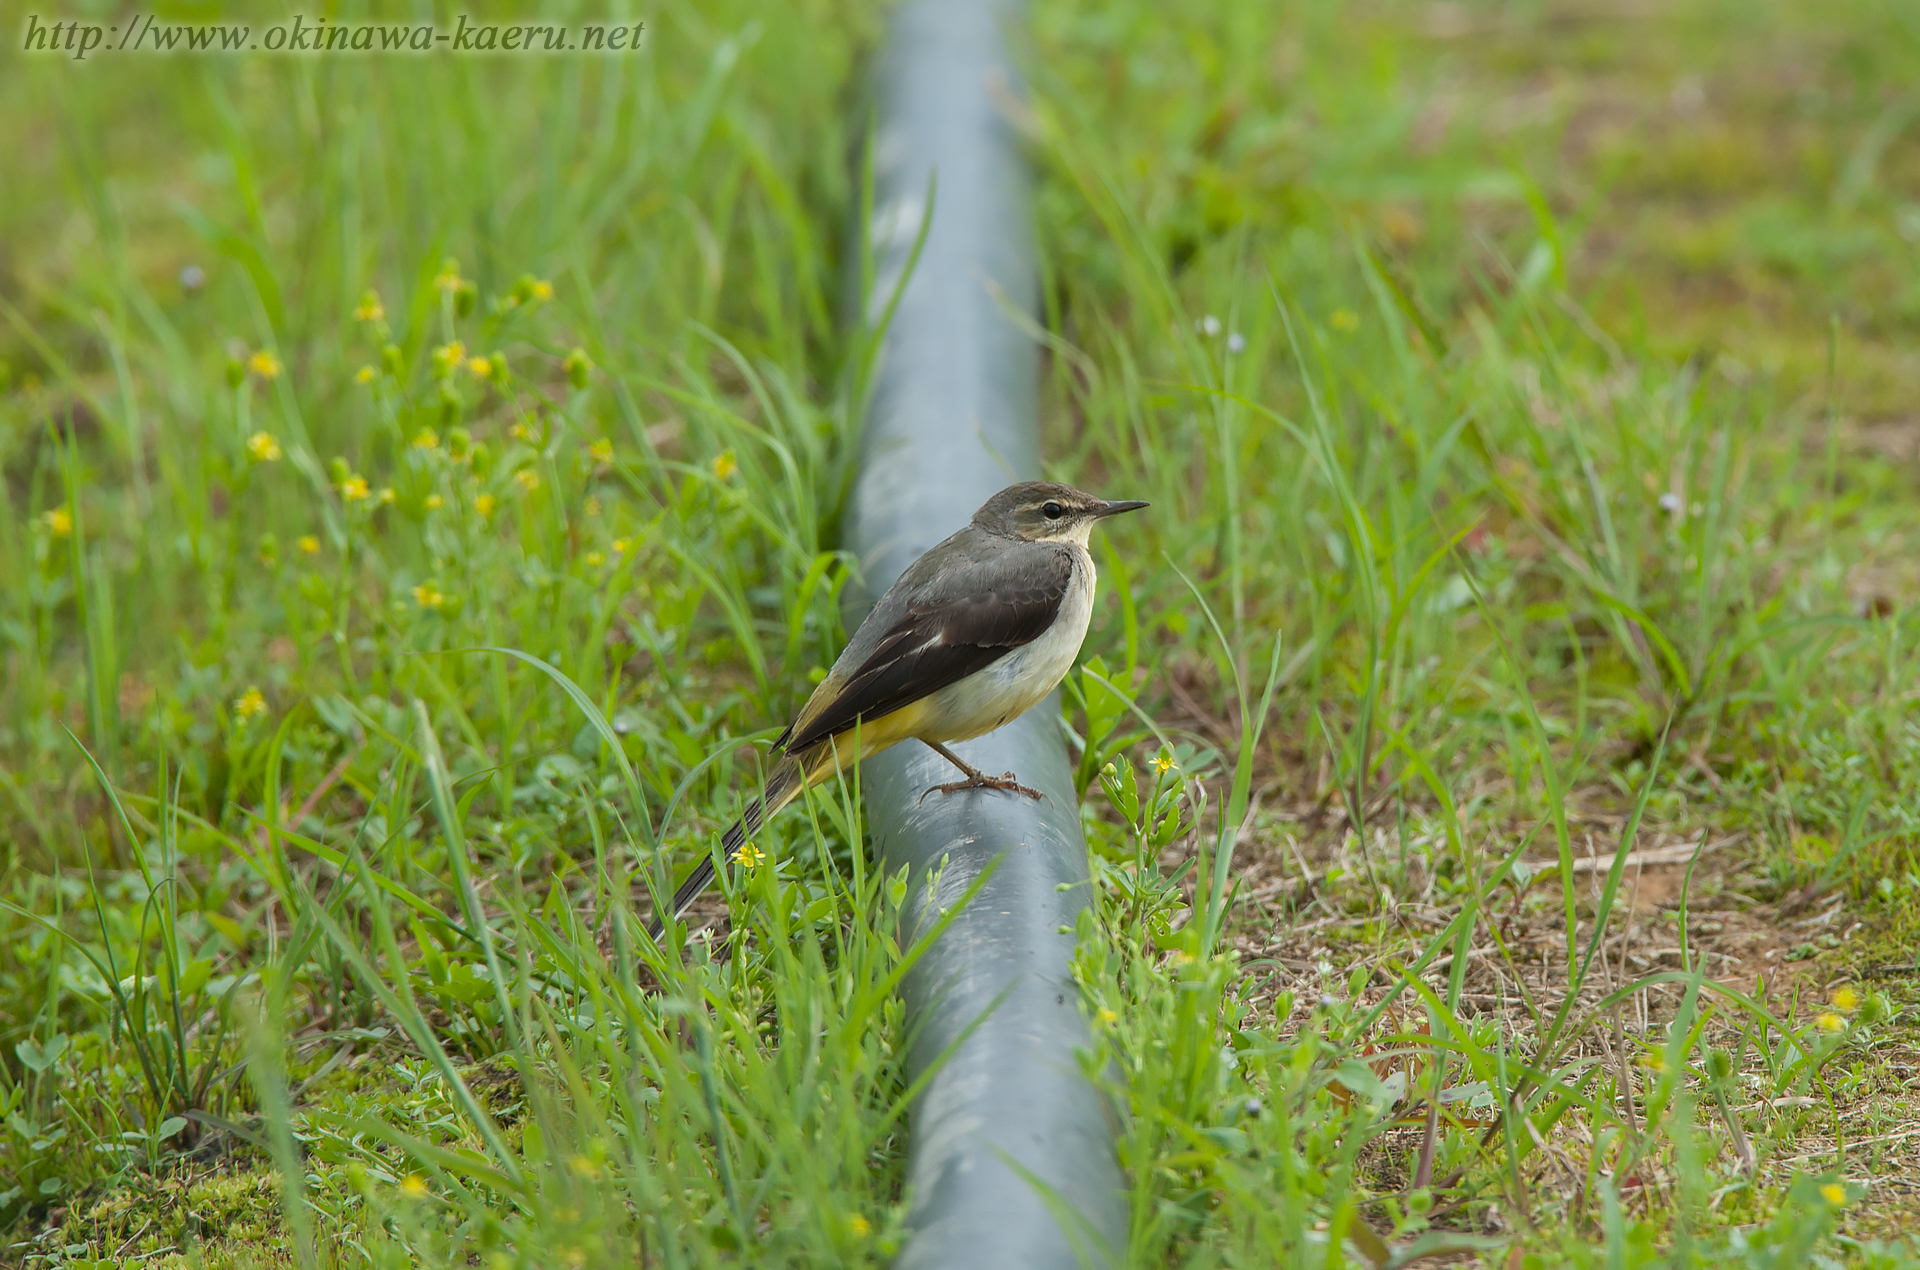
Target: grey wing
column 958, row 623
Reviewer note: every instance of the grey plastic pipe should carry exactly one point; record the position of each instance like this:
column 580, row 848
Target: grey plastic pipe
column 1011, row 1159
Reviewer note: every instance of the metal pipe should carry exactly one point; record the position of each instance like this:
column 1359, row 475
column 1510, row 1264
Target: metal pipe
column 1011, row 1157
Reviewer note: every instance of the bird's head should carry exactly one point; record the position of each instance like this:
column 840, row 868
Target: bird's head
column 1045, row 511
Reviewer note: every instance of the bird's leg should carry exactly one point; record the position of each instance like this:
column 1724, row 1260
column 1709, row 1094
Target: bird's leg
column 976, row 779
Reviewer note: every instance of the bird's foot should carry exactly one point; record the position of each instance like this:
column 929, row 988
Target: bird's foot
column 980, row 780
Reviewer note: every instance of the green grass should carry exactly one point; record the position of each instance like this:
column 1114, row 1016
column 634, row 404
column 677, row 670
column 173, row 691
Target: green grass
column 1519, row 390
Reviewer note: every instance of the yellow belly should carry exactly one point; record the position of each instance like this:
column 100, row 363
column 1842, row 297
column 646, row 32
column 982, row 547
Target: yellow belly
column 868, row 737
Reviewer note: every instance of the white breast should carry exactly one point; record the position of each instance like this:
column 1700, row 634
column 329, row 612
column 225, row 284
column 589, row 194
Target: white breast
column 1017, row 682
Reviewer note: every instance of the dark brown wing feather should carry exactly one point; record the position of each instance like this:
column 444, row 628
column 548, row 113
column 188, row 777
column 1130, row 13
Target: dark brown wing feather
column 941, row 639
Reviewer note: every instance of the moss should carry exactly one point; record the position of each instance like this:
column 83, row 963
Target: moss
column 237, row 1208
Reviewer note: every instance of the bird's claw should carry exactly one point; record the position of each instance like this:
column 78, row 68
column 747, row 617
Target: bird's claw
column 981, row 780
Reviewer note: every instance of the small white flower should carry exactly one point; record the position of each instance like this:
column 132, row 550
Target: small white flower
column 1670, row 503
column 1208, row 326
column 1236, row 343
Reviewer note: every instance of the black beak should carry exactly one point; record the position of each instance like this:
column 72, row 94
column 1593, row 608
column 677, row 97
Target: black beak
column 1115, row 508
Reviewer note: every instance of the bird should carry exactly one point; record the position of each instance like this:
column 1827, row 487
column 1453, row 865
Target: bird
column 972, row 635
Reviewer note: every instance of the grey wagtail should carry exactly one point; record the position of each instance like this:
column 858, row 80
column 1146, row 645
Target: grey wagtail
column 975, row 632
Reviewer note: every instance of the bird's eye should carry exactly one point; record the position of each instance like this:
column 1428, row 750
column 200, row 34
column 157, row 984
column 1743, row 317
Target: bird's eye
column 1053, row 511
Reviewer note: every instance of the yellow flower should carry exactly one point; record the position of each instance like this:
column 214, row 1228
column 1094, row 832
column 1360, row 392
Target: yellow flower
column 428, row 596
column 480, row 367
column 364, row 375
column 263, row 447
column 433, row 501
column 1654, row 1061
column 859, row 1226
column 1346, row 320
column 519, row 432
column 354, row 488
column 1108, row 1018
column 1830, row 1022
column 310, row 544
column 370, row 309
column 264, row 364
column 543, row 290
column 59, row 522
column 249, row 703
column 1846, row 1000
column 622, row 545
column 584, row 1166
column 426, row 439
column 447, row 357
column 726, row 465
column 749, row 855
column 593, row 558
column 413, row 1186
column 526, row 478
column 1164, row 764
column 448, row 279
column 1834, row 1194
column 601, row 450
column 484, row 504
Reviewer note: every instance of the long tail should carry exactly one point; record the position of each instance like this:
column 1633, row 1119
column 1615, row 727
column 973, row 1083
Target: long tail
column 784, row 784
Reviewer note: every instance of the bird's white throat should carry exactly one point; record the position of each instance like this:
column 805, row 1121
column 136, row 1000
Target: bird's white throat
column 1077, row 532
